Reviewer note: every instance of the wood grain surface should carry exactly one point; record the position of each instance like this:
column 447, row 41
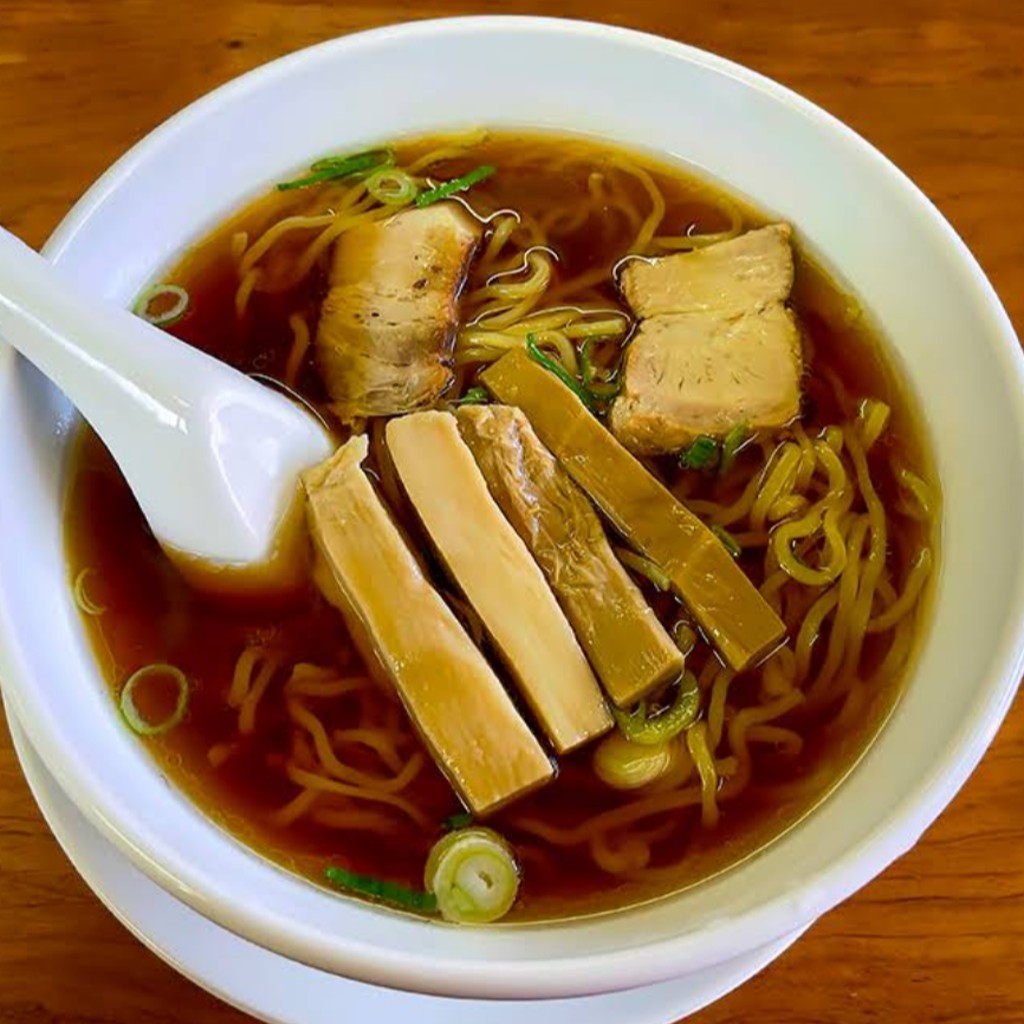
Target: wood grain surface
column 938, row 85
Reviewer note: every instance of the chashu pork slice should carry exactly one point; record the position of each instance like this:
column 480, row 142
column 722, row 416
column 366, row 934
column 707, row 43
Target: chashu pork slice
column 498, row 576
column 748, row 273
column 726, row 604
column 387, row 326
column 409, row 637
column 716, row 346
column 630, row 650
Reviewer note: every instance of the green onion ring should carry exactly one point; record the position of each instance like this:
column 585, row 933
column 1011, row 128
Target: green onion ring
column 168, row 316
column 474, row 876
column 391, row 186
column 86, row 605
column 680, row 715
column 131, row 713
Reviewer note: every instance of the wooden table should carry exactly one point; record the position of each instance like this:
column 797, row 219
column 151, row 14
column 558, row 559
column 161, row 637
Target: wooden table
column 938, row 85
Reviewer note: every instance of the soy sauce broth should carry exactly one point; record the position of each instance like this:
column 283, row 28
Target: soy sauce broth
column 151, row 615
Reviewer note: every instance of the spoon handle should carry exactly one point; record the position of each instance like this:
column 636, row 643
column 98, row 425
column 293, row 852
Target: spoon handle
column 211, row 456
column 94, row 351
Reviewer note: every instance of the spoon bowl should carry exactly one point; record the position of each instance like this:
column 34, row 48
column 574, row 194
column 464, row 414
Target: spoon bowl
column 212, row 456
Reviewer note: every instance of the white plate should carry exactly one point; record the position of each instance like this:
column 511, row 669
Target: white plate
column 281, row 991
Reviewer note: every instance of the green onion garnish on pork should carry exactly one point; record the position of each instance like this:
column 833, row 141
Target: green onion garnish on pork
column 332, row 167
column 535, row 353
column 638, row 726
column 700, row 454
column 380, row 889
column 449, row 188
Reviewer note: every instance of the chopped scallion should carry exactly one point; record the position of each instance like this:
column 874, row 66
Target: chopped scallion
column 651, row 571
column 449, row 188
column 637, row 727
column 474, row 875
column 333, row 167
column 587, row 369
column 474, row 396
column 732, row 445
column 701, row 453
column 606, row 390
column 381, row 889
column 535, row 353
column 162, row 305
column 86, row 605
column 603, row 389
column 130, row 709
column 622, row 764
column 685, row 636
column 391, row 186
column 727, row 539
column 455, row 821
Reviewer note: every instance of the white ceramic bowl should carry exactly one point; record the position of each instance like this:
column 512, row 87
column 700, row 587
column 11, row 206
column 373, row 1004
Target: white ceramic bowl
column 877, row 231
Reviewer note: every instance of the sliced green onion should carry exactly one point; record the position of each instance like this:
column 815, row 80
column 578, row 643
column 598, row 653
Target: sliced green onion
column 130, row 709
column 86, row 605
column 165, row 314
column 645, row 567
column 685, row 636
column 665, row 724
column 727, row 539
column 533, row 350
column 606, row 390
column 449, row 188
column 732, row 445
column 380, row 889
column 391, row 186
column 353, row 163
column 700, row 454
column 474, row 875
column 588, row 373
column 474, row 396
column 332, row 167
column 454, row 821
column 587, row 370
column 623, row 764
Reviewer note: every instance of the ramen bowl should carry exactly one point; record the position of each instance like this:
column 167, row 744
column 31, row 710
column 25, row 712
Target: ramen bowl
column 868, row 224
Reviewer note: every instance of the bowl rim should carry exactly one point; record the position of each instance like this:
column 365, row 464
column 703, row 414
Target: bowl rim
column 878, row 848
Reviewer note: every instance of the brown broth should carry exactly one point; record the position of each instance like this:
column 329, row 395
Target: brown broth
column 153, row 616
